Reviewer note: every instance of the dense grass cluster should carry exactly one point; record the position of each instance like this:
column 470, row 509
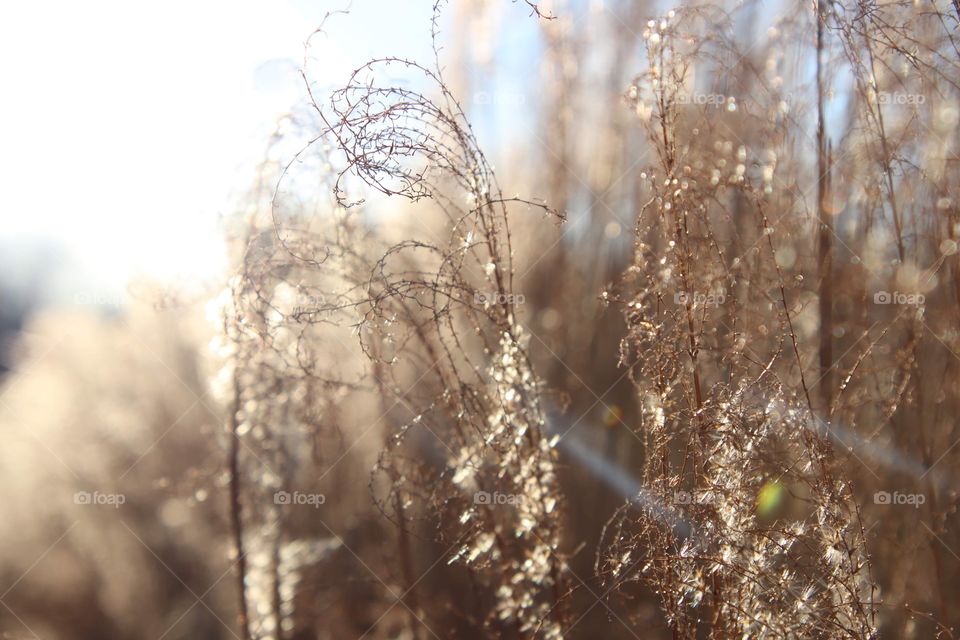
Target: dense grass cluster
column 702, row 384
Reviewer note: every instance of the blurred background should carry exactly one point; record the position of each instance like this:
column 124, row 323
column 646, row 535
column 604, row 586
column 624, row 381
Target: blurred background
column 141, row 147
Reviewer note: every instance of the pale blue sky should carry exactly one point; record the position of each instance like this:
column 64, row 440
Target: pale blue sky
column 126, row 126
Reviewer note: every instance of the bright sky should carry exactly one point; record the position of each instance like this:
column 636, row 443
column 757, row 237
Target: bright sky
column 126, row 126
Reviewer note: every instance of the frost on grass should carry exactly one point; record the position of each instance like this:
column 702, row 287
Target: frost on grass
column 456, row 310
column 771, row 543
